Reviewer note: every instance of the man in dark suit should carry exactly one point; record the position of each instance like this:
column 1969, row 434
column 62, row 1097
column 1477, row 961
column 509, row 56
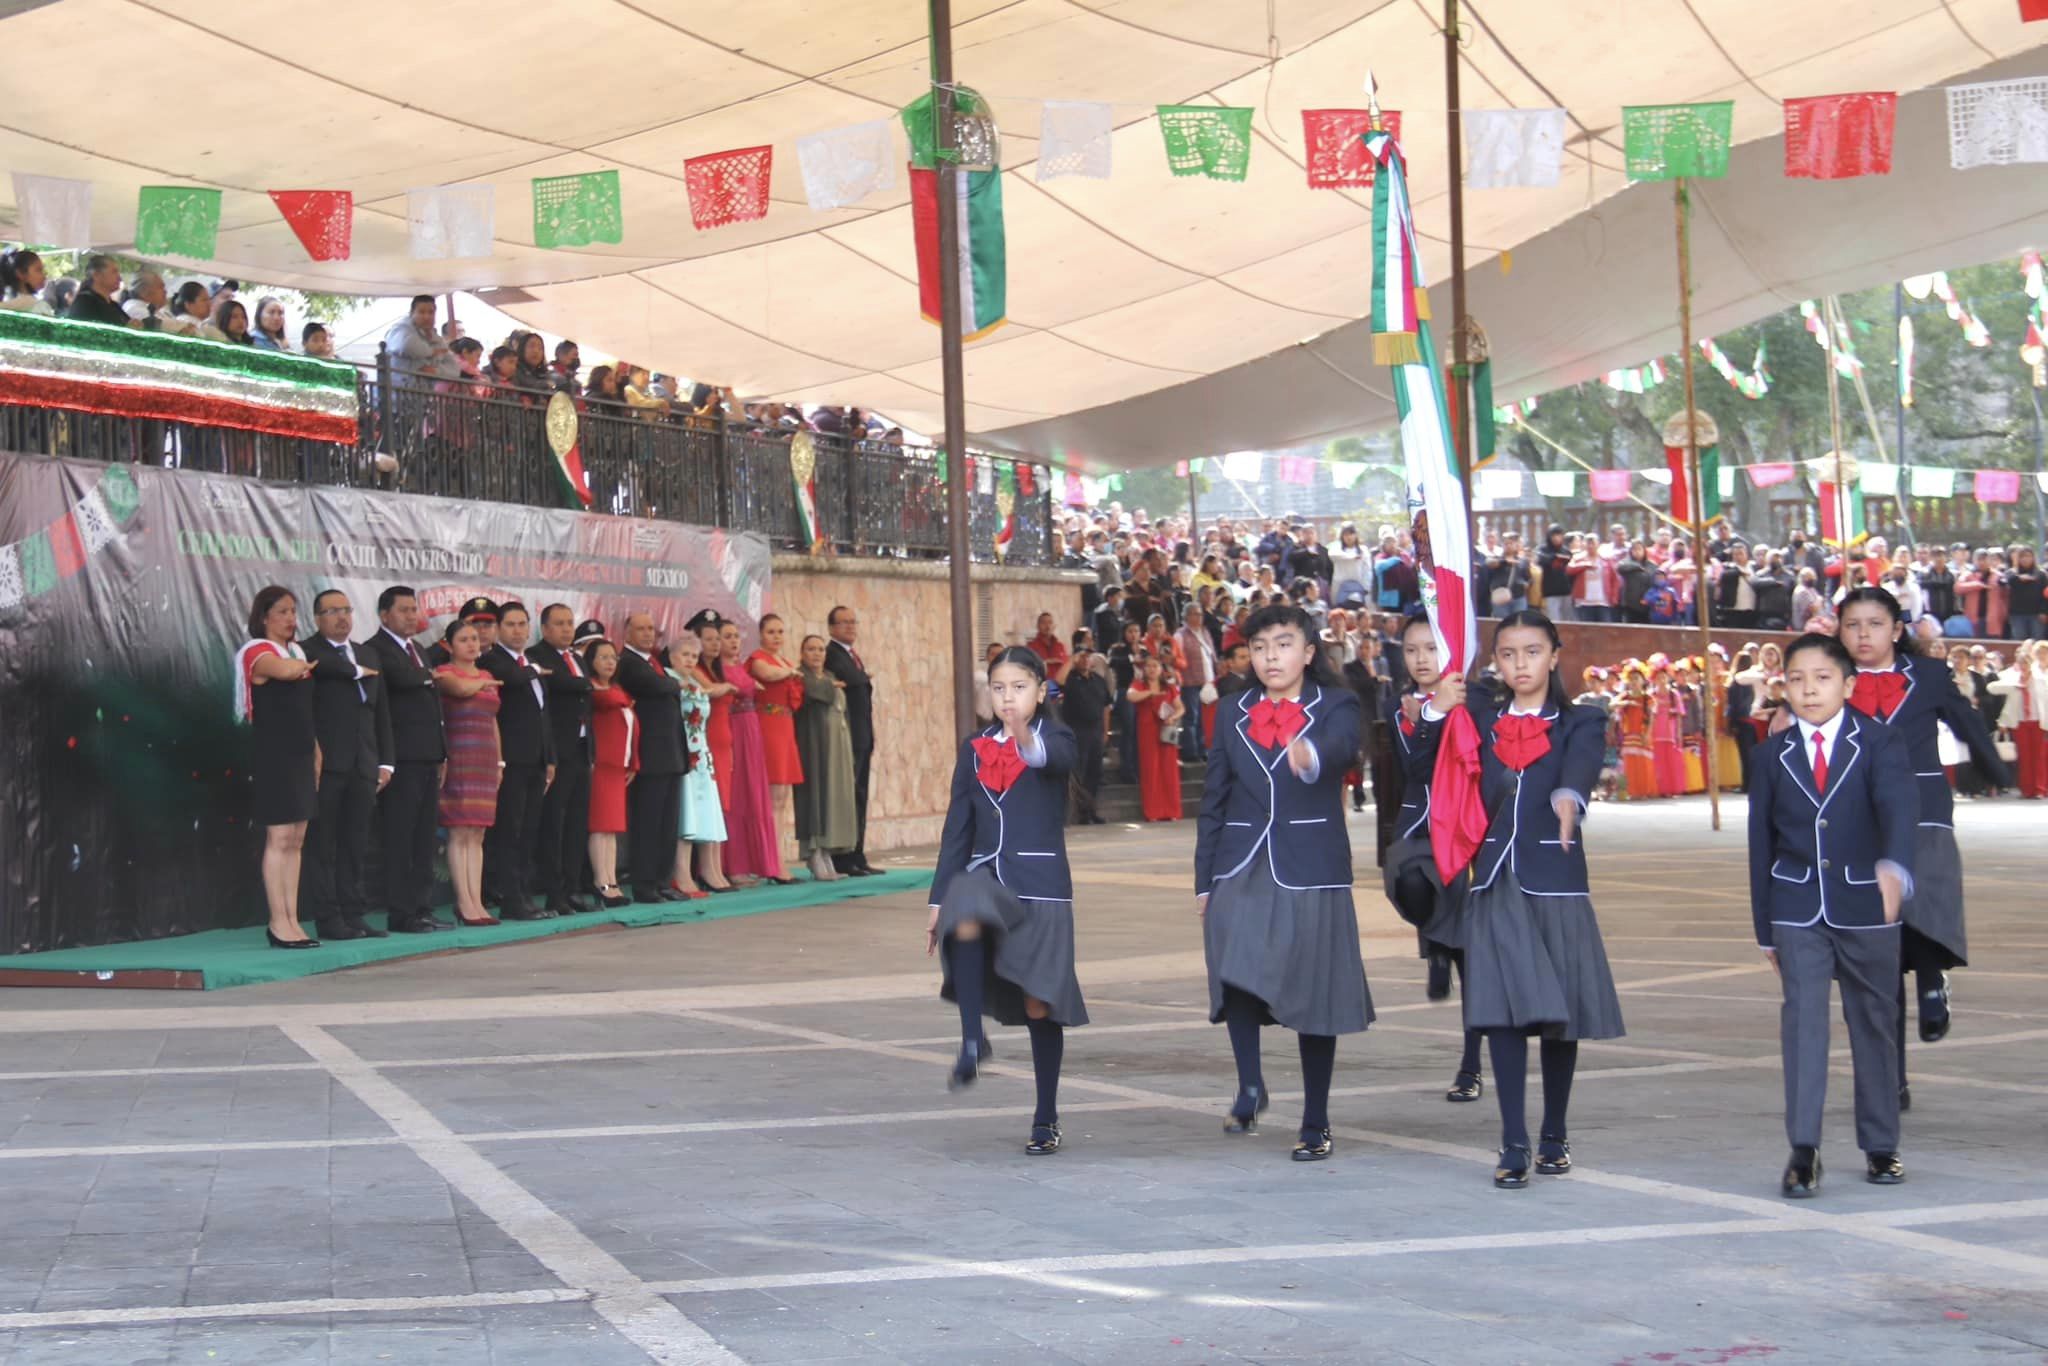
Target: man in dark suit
column 408, row 811
column 527, row 743
column 565, row 810
column 654, row 801
column 843, row 662
column 353, row 725
column 1084, row 706
column 1741, row 701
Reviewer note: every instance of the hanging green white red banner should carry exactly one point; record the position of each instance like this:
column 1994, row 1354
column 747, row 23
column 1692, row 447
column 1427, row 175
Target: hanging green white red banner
column 803, row 473
column 983, row 264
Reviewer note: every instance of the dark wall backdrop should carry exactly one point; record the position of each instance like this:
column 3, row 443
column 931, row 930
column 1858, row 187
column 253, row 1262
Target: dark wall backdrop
column 124, row 593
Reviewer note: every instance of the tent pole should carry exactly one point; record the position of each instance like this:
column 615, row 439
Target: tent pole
column 1194, row 509
column 1462, row 432
column 1695, row 484
column 960, row 594
column 1835, row 436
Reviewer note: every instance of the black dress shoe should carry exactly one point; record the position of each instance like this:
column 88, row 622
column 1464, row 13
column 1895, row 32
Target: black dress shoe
column 1905, row 1098
column 583, row 902
column 522, row 911
column 277, row 943
column 1313, row 1146
column 1553, row 1156
column 1439, row 986
column 671, row 894
column 414, row 924
column 1884, row 1169
column 1934, row 1016
column 648, row 896
column 1467, row 1087
column 867, row 870
column 1245, row 1111
column 369, row 931
column 1045, row 1139
column 614, row 900
column 1802, row 1175
column 561, row 906
column 339, row 931
column 1513, row 1172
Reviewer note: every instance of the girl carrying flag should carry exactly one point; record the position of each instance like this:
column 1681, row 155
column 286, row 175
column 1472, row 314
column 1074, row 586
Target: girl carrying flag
column 1002, row 902
column 1273, row 870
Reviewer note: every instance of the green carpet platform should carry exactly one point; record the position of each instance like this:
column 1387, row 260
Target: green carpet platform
column 233, row 958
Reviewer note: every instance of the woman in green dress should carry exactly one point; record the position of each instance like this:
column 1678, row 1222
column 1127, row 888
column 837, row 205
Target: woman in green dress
column 824, row 800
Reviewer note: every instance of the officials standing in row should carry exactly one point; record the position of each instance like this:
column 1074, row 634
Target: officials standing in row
column 843, row 662
column 352, row 720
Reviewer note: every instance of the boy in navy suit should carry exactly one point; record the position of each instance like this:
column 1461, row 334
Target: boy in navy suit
column 1832, row 817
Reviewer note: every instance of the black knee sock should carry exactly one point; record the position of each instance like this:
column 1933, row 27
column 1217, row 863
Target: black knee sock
column 1048, row 1050
column 1241, row 1016
column 1468, row 1062
column 966, row 957
column 1318, row 1064
column 1559, row 1059
column 1510, row 1052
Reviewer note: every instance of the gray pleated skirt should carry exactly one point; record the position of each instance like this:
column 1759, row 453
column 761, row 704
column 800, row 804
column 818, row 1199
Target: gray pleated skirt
column 1029, row 949
column 1445, row 926
column 1935, row 912
column 1537, row 964
column 1297, row 951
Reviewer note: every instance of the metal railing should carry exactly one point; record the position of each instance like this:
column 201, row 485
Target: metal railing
column 872, row 498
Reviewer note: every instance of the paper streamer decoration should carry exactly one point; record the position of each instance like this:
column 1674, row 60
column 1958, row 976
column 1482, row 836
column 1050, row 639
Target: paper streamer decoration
column 1609, row 486
column 846, row 165
column 1839, row 137
column 1074, row 139
column 577, row 210
column 320, row 219
column 1662, row 478
column 1335, row 141
column 2033, row 11
column 53, row 211
column 1998, row 123
column 1557, row 483
column 450, row 222
column 177, row 220
column 1765, row 476
column 1499, row 485
column 1245, row 466
column 1880, row 481
column 1998, row 486
column 728, row 187
column 1513, row 148
column 1207, row 140
column 1930, row 482
column 1076, row 495
column 1345, row 474
column 37, row 563
column 1666, row 141
column 1727, row 483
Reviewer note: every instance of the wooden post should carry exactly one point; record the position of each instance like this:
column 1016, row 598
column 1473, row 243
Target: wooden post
column 952, row 373
column 1696, row 487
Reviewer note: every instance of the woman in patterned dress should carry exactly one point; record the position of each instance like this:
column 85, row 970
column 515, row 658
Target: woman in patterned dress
column 700, row 823
column 469, row 795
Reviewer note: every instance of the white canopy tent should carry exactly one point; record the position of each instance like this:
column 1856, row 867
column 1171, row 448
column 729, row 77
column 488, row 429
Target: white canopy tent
column 1152, row 317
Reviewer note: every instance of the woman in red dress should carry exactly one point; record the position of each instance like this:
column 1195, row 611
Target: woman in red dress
column 469, row 792
column 782, row 692
column 1155, row 702
column 615, row 736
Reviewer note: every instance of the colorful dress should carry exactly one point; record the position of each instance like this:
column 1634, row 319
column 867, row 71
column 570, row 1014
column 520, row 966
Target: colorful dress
column 1638, row 763
column 701, row 820
column 777, row 707
column 750, row 848
column 718, row 734
column 1667, row 741
column 470, row 795
column 1693, row 728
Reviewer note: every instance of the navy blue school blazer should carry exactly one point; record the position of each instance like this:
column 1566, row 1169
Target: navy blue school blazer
column 1252, row 800
column 1522, row 832
column 1415, row 755
column 1813, row 856
column 1931, row 696
column 1022, row 832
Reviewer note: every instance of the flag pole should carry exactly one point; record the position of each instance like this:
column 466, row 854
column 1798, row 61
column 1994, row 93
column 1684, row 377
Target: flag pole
column 960, row 595
column 1464, row 420
column 1695, row 485
column 1835, row 436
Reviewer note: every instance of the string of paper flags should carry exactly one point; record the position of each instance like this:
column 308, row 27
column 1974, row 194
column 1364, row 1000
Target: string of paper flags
column 1828, row 137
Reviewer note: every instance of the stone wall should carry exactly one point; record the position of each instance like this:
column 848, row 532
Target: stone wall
column 905, row 640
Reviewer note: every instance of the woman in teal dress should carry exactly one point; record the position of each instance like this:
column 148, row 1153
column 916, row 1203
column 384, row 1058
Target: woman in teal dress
column 702, row 823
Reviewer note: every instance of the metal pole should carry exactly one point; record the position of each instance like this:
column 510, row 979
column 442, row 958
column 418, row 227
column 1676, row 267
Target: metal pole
column 1194, row 510
column 1835, row 436
column 953, row 376
column 1899, row 400
column 1454, row 165
column 1696, row 487
column 2040, row 500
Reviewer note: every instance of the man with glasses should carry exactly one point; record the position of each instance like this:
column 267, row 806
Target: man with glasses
column 352, row 722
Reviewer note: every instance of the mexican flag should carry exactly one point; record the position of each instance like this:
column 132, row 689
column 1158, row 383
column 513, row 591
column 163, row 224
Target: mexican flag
column 1681, row 483
column 978, row 201
column 1832, row 511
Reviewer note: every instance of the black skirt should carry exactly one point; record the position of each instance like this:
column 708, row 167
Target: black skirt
column 1029, row 949
column 281, row 714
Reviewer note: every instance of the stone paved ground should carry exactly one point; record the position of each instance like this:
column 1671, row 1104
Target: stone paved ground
column 731, row 1141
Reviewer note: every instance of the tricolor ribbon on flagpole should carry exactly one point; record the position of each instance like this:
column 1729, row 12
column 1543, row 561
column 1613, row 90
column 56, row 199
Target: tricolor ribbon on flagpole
column 803, row 474
column 1457, row 816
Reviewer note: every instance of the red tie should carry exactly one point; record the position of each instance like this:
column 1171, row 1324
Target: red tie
column 569, row 658
column 1820, row 762
column 417, row 662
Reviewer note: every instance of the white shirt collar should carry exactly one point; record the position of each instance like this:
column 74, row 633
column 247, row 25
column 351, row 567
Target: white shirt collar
column 1828, row 731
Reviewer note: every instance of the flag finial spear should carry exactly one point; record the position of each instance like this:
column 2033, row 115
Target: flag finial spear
column 1372, row 100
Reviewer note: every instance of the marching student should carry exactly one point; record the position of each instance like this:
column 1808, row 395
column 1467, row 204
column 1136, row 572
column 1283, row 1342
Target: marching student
column 1911, row 694
column 1534, row 960
column 1002, row 900
column 1413, row 881
column 1832, row 823
column 1273, row 870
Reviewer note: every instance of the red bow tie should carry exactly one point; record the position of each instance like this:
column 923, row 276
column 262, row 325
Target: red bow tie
column 1519, row 741
column 1275, row 724
column 997, row 763
column 1878, row 694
